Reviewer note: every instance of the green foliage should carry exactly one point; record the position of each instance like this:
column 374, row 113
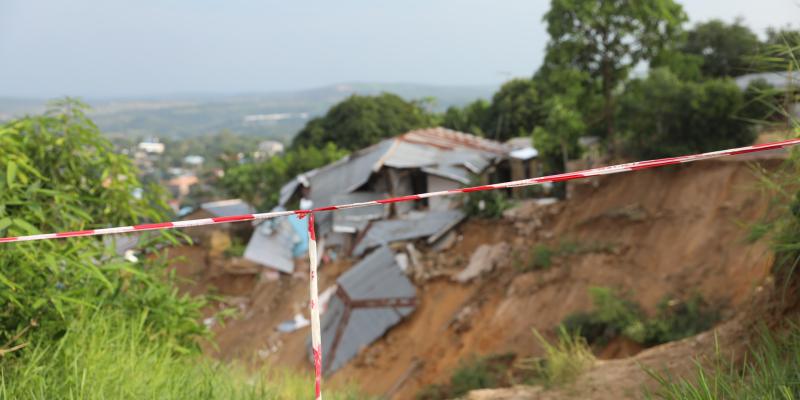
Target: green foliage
column 515, row 110
column 663, row 116
column 259, row 183
column 237, row 248
column 770, row 373
column 557, row 137
column 541, row 255
column 679, row 319
column 782, row 49
column 360, row 121
column 486, row 204
column 60, row 174
column 725, row 49
column 608, row 38
column 613, row 316
column 113, row 356
column 687, row 67
column 762, row 102
column 472, row 118
column 474, row 373
column 563, row 361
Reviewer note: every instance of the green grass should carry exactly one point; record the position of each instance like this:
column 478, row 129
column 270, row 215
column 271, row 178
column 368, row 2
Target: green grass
column 772, row 371
column 563, row 361
column 540, row 256
column 111, row 357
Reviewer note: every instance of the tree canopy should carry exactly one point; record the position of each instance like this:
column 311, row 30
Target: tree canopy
column 360, row 121
column 608, row 38
column 725, row 49
column 515, row 110
column 665, row 116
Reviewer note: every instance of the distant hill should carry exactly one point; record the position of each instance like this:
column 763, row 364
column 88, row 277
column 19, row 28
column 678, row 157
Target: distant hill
column 274, row 114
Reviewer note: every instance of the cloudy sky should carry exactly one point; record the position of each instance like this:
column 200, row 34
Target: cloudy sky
column 111, row 48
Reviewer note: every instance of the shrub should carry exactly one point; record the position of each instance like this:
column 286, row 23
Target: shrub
column 58, row 173
column 662, row 116
column 613, row 316
column 679, row 319
column 487, row 204
column 474, row 373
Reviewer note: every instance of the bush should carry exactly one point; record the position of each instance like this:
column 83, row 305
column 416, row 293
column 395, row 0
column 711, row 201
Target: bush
column 486, row 204
column 58, row 173
column 613, row 316
column 474, row 373
column 661, row 116
column 114, row 356
column 679, row 319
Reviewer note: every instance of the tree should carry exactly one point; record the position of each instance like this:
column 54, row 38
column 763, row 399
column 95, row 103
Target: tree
column 360, row 121
column 515, row 110
column 663, row 116
column 472, row 118
column 725, row 49
column 557, row 138
column 608, row 38
column 258, row 183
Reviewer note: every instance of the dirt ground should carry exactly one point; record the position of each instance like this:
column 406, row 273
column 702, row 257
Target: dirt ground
column 674, row 231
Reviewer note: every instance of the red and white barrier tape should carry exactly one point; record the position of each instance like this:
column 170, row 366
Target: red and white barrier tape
column 634, row 166
column 313, row 305
column 316, row 342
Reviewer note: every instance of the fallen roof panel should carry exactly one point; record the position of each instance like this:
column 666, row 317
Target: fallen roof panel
column 433, row 223
column 347, row 326
column 227, row 208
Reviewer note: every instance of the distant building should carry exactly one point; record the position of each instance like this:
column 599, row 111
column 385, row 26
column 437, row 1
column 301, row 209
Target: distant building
column 180, row 186
column 267, row 149
column 152, row 147
column 193, row 160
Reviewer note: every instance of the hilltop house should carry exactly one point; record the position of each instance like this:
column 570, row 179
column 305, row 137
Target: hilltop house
column 434, row 159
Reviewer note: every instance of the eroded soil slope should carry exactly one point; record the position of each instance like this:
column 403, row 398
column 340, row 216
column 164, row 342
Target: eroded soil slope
column 674, row 231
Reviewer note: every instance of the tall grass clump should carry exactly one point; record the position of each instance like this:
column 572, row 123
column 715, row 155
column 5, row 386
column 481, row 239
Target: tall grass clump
column 772, row 371
column 564, row 360
column 114, row 356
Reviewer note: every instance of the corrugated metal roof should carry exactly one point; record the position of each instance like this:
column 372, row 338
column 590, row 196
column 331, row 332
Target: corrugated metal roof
column 432, row 224
column 275, row 243
column 227, row 208
column 376, row 277
column 453, row 140
column 354, row 219
column 451, row 172
column 778, row 79
column 524, row 154
column 122, row 242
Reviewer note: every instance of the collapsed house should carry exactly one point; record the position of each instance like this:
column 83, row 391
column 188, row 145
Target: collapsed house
column 419, row 161
column 369, row 299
